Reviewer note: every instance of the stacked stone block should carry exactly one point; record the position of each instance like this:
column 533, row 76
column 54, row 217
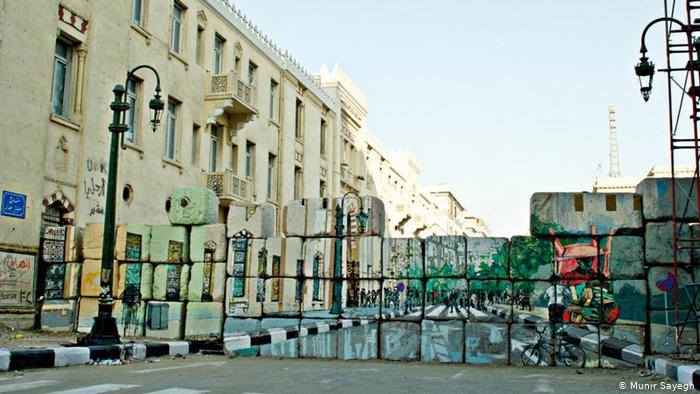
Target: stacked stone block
column 60, row 253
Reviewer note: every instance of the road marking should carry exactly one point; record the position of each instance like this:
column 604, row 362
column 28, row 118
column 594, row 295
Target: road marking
column 195, row 365
column 543, row 386
column 8, row 388
column 14, row 377
column 535, row 375
column 458, row 375
column 100, row 388
column 177, row 390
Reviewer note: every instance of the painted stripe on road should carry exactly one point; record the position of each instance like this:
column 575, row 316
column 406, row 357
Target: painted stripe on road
column 8, row 388
column 100, row 388
column 177, row 390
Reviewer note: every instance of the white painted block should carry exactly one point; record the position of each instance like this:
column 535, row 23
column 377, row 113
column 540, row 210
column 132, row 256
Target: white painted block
column 237, row 342
column 685, row 373
column 178, row 347
column 4, row 360
column 65, row 356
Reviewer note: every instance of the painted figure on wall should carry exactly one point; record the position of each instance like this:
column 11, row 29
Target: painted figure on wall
column 582, row 268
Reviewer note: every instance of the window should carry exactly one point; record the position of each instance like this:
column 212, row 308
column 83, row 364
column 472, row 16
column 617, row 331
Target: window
column 177, row 20
column 274, row 86
column 61, row 88
column 252, row 73
column 218, row 54
column 195, row 145
column 233, row 165
column 271, row 163
column 249, row 160
column 297, row 119
column 324, row 126
column 171, row 131
column 199, row 50
column 132, row 89
column 137, row 12
column 298, row 179
column 214, row 147
column 322, row 189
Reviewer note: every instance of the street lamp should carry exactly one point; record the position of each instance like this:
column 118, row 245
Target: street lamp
column 362, row 216
column 104, row 329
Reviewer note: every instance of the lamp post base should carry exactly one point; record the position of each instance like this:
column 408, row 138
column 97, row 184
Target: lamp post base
column 104, row 331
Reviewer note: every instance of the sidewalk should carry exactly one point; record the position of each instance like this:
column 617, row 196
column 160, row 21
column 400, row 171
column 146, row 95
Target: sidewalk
column 687, row 373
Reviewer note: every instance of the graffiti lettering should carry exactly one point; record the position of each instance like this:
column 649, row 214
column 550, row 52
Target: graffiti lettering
column 16, row 278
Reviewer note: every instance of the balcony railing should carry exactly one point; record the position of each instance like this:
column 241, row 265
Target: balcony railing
column 347, row 176
column 227, row 186
column 229, row 86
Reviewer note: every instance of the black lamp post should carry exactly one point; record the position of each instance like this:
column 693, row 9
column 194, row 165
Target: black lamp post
column 104, row 329
column 362, row 216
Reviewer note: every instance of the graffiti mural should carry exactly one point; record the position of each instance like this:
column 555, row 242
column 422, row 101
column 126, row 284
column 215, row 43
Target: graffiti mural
column 16, row 279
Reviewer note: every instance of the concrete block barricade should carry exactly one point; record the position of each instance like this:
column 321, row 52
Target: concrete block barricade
column 315, row 217
column 578, row 213
column 446, row 256
column 193, row 206
column 92, row 241
column 131, row 318
column 207, row 282
column 59, row 315
column 204, row 320
column 133, row 242
column 205, row 237
column 242, row 298
column 165, row 320
column 61, row 244
column 170, row 282
column 487, row 258
column 257, row 220
column 658, row 245
column 442, row 341
column 87, row 310
column 402, row 258
column 90, row 278
column 62, row 281
column 363, row 257
column 657, row 200
column 170, row 244
column 135, row 281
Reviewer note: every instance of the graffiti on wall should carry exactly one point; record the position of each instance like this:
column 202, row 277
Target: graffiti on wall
column 16, row 279
column 95, row 184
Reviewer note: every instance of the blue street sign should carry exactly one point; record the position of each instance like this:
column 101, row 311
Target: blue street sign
column 14, row 204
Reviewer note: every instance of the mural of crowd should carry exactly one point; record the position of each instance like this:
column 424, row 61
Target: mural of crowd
column 585, row 271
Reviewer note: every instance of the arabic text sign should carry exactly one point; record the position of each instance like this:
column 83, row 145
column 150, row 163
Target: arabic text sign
column 13, row 204
column 16, row 279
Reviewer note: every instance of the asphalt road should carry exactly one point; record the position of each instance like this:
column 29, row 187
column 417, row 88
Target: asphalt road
column 219, row 374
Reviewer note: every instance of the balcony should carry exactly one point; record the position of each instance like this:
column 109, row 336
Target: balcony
column 227, row 186
column 347, row 176
column 230, row 95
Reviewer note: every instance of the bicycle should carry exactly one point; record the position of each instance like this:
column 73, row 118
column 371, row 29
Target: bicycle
column 569, row 354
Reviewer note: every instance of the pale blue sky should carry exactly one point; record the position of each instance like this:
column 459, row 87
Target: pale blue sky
column 499, row 98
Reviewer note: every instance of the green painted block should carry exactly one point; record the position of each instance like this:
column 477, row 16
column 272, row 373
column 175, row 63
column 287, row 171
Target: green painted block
column 207, row 282
column 193, row 206
column 170, row 244
column 208, row 239
column 402, row 258
column 170, row 282
column 204, row 320
column 487, row 258
column 531, row 257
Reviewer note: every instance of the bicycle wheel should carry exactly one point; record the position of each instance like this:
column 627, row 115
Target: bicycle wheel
column 573, row 356
column 530, row 355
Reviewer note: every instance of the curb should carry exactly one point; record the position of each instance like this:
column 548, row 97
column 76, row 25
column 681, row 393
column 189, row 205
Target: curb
column 15, row 360
column 241, row 340
column 681, row 373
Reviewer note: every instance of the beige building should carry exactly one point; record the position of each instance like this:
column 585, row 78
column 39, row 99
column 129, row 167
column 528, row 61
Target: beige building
column 628, row 184
column 241, row 116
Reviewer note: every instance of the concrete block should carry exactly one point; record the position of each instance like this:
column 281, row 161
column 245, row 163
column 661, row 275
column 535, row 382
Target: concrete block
column 522, row 335
column 67, row 356
column 363, row 257
column 55, row 281
column 90, row 278
column 243, row 299
column 193, row 206
column 138, row 277
column 133, row 242
column 489, row 300
column 170, row 282
column 207, row 282
column 317, row 298
column 359, row 342
column 442, row 341
column 629, row 341
column 319, row 257
column 401, row 299
column 281, row 297
column 315, row 217
column 659, row 278
column 286, row 348
column 530, row 300
column 169, row 244
column 631, row 298
column 487, row 258
column 210, row 237
column 658, row 245
column 59, row 315
column 238, row 331
column 531, row 258
column 577, row 213
column 446, row 298
column 486, row 343
column 92, row 241
column 357, row 306
column 131, row 318
column 657, row 199
column 445, row 256
column 87, row 310
column 663, row 332
column 281, row 257
column 60, row 244
column 626, row 257
column 321, row 345
column 165, row 320
column 258, row 220
column 240, row 260
column 400, row 341
column 402, row 258
column 204, row 320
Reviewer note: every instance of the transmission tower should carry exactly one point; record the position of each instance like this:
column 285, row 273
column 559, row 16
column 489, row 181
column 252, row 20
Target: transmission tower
column 614, row 153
